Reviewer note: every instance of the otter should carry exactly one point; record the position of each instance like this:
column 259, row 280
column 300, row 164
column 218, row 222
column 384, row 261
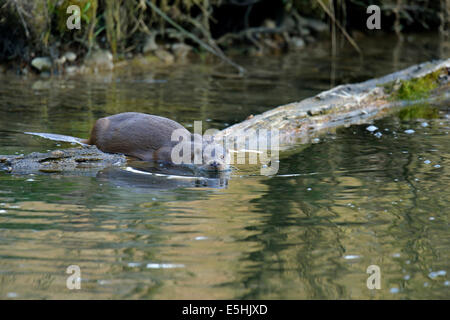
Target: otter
column 149, row 138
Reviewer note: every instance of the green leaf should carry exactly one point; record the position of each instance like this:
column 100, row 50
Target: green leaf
column 99, row 30
column 86, row 7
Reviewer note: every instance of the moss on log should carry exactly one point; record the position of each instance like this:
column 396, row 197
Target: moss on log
column 348, row 104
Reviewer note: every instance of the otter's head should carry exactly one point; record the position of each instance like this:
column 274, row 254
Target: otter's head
column 215, row 157
column 203, row 153
column 210, row 156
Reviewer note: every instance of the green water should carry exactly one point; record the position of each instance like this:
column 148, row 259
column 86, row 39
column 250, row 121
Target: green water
column 310, row 232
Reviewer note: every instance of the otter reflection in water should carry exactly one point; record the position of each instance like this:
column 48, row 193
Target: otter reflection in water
column 142, row 175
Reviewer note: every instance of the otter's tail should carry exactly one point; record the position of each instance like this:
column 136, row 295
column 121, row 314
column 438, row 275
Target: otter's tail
column 60, row 137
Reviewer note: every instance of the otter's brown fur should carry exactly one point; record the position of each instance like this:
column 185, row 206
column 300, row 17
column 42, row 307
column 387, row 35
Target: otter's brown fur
column 146, row 137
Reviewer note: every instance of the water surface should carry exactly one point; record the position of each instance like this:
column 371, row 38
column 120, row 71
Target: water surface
column 352, row 200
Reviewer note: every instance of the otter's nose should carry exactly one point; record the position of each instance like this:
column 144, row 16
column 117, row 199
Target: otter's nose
column 214, row 164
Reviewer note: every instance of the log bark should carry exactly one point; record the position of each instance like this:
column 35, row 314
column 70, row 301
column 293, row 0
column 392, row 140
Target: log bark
column 347, row 104
column 78, row 161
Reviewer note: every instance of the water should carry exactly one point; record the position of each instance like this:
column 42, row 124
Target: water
column 352, row 199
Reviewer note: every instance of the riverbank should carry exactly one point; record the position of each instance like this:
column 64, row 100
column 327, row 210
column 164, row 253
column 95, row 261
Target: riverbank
column 44, row 37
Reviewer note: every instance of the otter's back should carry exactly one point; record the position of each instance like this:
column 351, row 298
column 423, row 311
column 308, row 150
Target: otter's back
column 134, row 134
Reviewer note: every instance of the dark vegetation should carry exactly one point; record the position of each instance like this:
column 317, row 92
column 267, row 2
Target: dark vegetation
column 31, row 28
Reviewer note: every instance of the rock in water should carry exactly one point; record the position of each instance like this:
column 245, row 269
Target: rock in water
column 165, row 56
column 181, row 50
column 99, row 60
column 297, row 42
column 149, row 45
column 42, row 63
column 70, row 56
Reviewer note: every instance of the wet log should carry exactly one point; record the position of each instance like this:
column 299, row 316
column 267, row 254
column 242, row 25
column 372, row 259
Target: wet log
column 299, row 122
column 79, row 161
